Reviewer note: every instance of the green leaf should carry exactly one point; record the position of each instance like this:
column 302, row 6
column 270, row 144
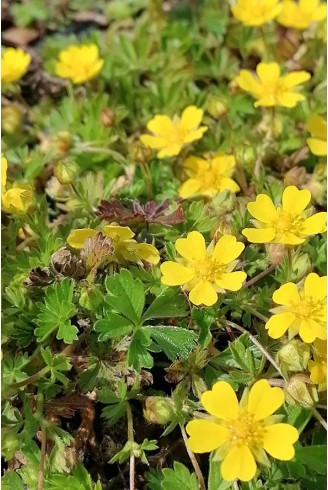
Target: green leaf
column 11, row 481
column 174, row 341
column 138, row 355
column 179, row 478
column 112, row 326
column 169, row 303
column 204, row 320
column 56, row 311
column 57, row 364
column 314, row 457
column 126, row 295
column 116, row 402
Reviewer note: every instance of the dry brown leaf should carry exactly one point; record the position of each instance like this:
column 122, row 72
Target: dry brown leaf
column 20, row 36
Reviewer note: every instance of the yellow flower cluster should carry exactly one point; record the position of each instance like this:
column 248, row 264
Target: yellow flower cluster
column 18, row 199
column 14, row 64
column 243, row 433
column 125, row 248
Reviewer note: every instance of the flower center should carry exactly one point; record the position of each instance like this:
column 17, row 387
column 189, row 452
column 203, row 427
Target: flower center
column 286, row 222
column 245, row 431
column 307, row 308
column 206, row 269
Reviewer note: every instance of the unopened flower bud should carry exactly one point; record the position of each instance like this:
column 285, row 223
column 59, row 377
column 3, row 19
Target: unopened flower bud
column 159, row 410
column 66, row 172
column 62, row 142
column 91, row 297
column 107, row 117
column 301, row 266
column 67, row 264
column 216, row 106
column 276, row 252
column 246, row 156
column 294, row 356
column 139, row 152
column 295, row 176
column 11, row 118
column 299, row 390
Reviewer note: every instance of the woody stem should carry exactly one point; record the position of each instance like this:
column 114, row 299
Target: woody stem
column 260, row 275
column 131, row 440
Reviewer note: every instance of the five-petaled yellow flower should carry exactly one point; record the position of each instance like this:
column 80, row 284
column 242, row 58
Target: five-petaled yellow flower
column 79, row 63
column 287, row 224
column 270, row 88
column 205, row 272
column 302, row 312
column 18, row 199
column 256, row 12
column 171, row 135
column 14, row 64
column 208, row 177
column 302, row 14
column 317, row 126
column 125, row 248
column 242, row 433
column 318, row 367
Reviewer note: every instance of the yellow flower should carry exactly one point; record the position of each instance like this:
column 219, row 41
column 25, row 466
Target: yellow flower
column 208, row 177
column 287, row 224
column 79, row 63
column 270, row 88
column 302, row 14
column 205, row 272
column 170, row 135
column 242, row 433
column 14, row 64
column 302, row 312
column 17, row 200
column 256, row 12
column 317, row 126
column 318, row 367
column 125, row 249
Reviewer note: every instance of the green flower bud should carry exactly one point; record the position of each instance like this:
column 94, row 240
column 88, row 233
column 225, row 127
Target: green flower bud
column 216, row 106
column 159, row 410
column 139, row 152
column 246, row 156
column 66, row 172
column 90, row 298
column 301, row 266
column 294, row 356
column 9, row 443
column 11, row 118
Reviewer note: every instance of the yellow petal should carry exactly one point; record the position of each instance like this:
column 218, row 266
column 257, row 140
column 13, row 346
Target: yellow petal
column 232, row 281
column 227, row 249
column 77, row 238
column 195, row 135
column 247, row 81
column 238, row 464
column 294, row 201
column 191, row 117
column 295, row 78
column 221, row 401
column 192, row 164
column 318, row 372
column 153, row 142
column 146, row 251
column 289, row 238
column 262, row 235
column 315, row 224
column 315, row 287
column 264, row 400
column 317, row 125
column 118, row 233
column 263, row 209
column 4, row 167
column 318, row 147
column 170, row 150
column 268, row 72
column 189, row 188
column 161, row 125
column 279, row 439
column 229, row 185
column 289, row 99
column 278, row 324
column 320, row 13
column 286, row 295
column 203, row 294
column 193, row 247
column 310, row 330
column 205, row 436
column 175, row 274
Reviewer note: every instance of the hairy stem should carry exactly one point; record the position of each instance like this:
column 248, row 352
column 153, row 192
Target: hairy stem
column 131, row 440
column 319, row 417
column 42, row 457
column 193, row 459
column 258, row 345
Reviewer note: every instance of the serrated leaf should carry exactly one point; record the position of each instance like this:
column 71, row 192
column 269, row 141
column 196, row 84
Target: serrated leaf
column 179, row 477
column 174, row 341
column 169, row 303
column 112, row 326
column 314, row 457
column 55, row 313
column 126, row 295
column 138, row 355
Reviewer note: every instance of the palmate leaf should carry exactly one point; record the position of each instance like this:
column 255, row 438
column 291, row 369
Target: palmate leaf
column 179, row 477
column 138, row 355
column 174, row 341
column 126, row 295
column 55, row 313
column 168, row 304
column 112, row 326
